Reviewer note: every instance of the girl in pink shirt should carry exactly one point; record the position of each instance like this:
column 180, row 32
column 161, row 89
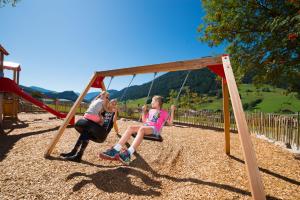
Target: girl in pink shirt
column 97, row 106
column 153, row 123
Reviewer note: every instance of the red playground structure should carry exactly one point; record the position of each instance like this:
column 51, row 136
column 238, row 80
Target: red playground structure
column 11, row 87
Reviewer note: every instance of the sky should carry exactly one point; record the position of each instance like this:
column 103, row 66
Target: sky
column 60, row 43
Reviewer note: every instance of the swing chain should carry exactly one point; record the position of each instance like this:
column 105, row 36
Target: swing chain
column 111, row 78
column 149, row 92
column 182, row 86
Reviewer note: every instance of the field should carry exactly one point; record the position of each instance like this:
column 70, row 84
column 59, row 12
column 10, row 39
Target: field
column 189, row 164
column 265, row 99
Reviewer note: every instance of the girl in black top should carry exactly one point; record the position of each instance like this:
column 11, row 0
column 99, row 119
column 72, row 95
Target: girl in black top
column 89, row 130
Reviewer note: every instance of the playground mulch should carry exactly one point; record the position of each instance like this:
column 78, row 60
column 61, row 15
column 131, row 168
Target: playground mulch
column 189, row 164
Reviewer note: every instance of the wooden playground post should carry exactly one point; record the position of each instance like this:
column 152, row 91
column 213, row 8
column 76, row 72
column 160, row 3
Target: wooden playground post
column 14, row 97
column 256, row 186
column 226, row 116
column 2, row 53
column 69, row 117
column 1, row 94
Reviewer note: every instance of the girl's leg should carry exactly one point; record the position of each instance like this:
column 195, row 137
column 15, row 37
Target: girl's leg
column 83, row 147
column 144, row 130
column 125, row 157
column 80, row 139
column 84, row 143
column 127, row 134
column 113, row 153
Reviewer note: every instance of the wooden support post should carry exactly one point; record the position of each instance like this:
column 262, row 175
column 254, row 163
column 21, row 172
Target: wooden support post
column 1, row 94
column 69, row 117
column 18, row 77
column 15, row 76
column 256, row 185
column 14, row 97
column 1, row 111
column 226, row 116
column 17, row 97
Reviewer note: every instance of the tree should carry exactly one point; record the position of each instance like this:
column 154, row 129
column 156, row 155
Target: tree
column 37, row 95
column 187, row 99
column 172, row 96
column 11, row 2
column 262, row 37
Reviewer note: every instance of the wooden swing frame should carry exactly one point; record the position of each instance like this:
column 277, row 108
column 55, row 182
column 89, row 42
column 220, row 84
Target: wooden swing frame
column 229, row 89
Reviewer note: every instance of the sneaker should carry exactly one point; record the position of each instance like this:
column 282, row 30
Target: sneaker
column 64, row 155
column 74, row 158
column 110, row 154
column 125, row 157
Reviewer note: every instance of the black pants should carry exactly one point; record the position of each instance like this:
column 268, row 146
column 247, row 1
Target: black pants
column 90, row 130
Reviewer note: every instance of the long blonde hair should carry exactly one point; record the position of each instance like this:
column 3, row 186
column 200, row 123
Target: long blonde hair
column 103, row 93
column 159, row 99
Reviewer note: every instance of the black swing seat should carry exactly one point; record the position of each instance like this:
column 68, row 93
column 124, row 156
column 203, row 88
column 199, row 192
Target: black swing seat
column 151, row 137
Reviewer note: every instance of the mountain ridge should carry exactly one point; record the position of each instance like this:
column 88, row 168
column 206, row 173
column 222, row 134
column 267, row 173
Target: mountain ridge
column 201, row 81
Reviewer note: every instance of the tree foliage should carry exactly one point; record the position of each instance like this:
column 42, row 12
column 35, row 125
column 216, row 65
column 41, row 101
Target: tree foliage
column 7, row 2
column 263, row 38
column 187, row 99
column 37, row 95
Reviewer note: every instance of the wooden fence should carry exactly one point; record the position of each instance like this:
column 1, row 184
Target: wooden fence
column 61, row 107
column 277, row 127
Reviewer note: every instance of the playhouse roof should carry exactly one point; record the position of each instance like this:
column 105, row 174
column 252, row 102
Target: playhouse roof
column 11, row 66
column 3, row 50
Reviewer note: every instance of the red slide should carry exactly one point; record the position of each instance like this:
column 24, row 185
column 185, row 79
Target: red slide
column 8, row 85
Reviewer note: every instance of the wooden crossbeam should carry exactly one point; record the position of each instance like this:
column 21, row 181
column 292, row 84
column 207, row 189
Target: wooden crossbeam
column 255, row 181
column 164, row 67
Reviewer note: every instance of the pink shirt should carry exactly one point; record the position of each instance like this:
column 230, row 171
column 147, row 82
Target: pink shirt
column 156, row 118
column 94, row 118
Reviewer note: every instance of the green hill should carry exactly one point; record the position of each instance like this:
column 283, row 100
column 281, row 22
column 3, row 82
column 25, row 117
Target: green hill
column 265, row 99
column 201, row 81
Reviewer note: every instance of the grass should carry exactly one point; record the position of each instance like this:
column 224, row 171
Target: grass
column 274, row 100
column 265, row 99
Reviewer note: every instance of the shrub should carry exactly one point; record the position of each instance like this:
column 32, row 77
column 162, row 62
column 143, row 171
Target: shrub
column 129, row 111
column 286, row 111
column 266, row 90
column 246, row 106
column 251, row 105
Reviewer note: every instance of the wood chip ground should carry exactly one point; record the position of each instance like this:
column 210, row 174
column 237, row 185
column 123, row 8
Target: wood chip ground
column 189, row 164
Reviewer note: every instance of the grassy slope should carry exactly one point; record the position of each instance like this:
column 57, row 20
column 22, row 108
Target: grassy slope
column 272, row 101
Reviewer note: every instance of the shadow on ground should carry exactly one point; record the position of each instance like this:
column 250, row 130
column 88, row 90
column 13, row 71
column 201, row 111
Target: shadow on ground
column 267, row 171
column 8, row 141
column 119, row 180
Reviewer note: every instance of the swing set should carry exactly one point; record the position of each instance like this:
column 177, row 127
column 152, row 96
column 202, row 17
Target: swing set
column 221, row 66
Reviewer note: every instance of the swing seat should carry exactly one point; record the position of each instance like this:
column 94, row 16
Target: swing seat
column 151, row 137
